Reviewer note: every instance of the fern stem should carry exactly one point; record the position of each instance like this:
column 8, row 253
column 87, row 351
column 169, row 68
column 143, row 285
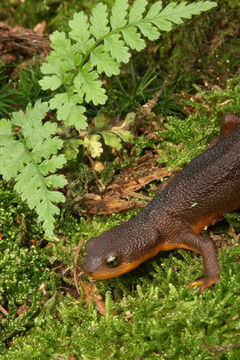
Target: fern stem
column 117, row 30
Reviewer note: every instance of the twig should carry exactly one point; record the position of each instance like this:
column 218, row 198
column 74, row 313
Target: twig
column 75, row 265
column 3, row 311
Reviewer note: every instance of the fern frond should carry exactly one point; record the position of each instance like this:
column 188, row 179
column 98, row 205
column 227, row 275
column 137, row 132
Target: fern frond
column 101, row 46
column 29, row 156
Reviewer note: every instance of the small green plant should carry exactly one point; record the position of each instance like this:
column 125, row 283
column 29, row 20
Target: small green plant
column 28, row 155
column 72, row 72
column 6, row 99
column 112, row 135
column 137, row 88
column 27, row 89
column 100, row 46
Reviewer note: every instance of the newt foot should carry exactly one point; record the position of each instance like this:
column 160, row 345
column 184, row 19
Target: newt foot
column 205, row 283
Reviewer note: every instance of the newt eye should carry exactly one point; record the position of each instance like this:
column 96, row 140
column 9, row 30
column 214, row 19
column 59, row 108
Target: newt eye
column 112, row 261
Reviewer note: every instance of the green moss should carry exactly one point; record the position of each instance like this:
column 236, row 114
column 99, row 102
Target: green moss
column 25, row 279
column 184, row 139
column 234, row 219
column 158, row 317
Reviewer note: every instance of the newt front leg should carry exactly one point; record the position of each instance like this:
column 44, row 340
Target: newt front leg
column 205, row 246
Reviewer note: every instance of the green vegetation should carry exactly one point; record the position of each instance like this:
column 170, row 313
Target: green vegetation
column 73, row 71
column 175, row 324
column 150, row 312
column 26, row 280
column 181, row 137
column 56, row 13
column 78, row 58
column 29, row 159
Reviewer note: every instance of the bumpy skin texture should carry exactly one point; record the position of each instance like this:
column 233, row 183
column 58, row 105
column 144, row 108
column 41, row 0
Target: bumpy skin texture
column 205, row 189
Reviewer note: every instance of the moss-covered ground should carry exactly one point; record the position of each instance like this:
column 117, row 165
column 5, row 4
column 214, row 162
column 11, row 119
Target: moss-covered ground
column 149, row 313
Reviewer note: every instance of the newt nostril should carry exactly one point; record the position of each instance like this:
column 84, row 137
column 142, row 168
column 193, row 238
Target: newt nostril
column 86, row 265
column 92, row 262
column 85, row 268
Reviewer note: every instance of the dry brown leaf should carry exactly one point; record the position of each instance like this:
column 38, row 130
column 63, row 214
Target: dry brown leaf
column 22, row 309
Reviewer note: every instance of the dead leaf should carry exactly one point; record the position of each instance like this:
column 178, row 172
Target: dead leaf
column 75, row 264
column 40, row 28
column 22, row 309
column 4, row 311
column 89, row 291
column 121, row 194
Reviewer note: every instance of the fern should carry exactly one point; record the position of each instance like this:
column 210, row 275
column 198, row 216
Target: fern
column 99, row 46
column 28, row 155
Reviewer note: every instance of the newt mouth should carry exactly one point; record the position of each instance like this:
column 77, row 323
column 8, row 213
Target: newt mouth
column 110, row 273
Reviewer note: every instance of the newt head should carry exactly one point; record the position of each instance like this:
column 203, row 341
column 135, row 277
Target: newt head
column 117, row 251
column 106, row 266
column 105, row 258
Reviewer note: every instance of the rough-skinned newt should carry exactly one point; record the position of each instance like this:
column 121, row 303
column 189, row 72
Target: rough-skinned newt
column 203, row 191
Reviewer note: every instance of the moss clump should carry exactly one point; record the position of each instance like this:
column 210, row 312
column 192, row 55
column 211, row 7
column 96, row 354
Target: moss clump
column 184, row 139
column 26, row 280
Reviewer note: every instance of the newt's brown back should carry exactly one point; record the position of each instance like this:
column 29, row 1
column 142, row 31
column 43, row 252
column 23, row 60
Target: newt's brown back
column 208, row 187
column 205, row 189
